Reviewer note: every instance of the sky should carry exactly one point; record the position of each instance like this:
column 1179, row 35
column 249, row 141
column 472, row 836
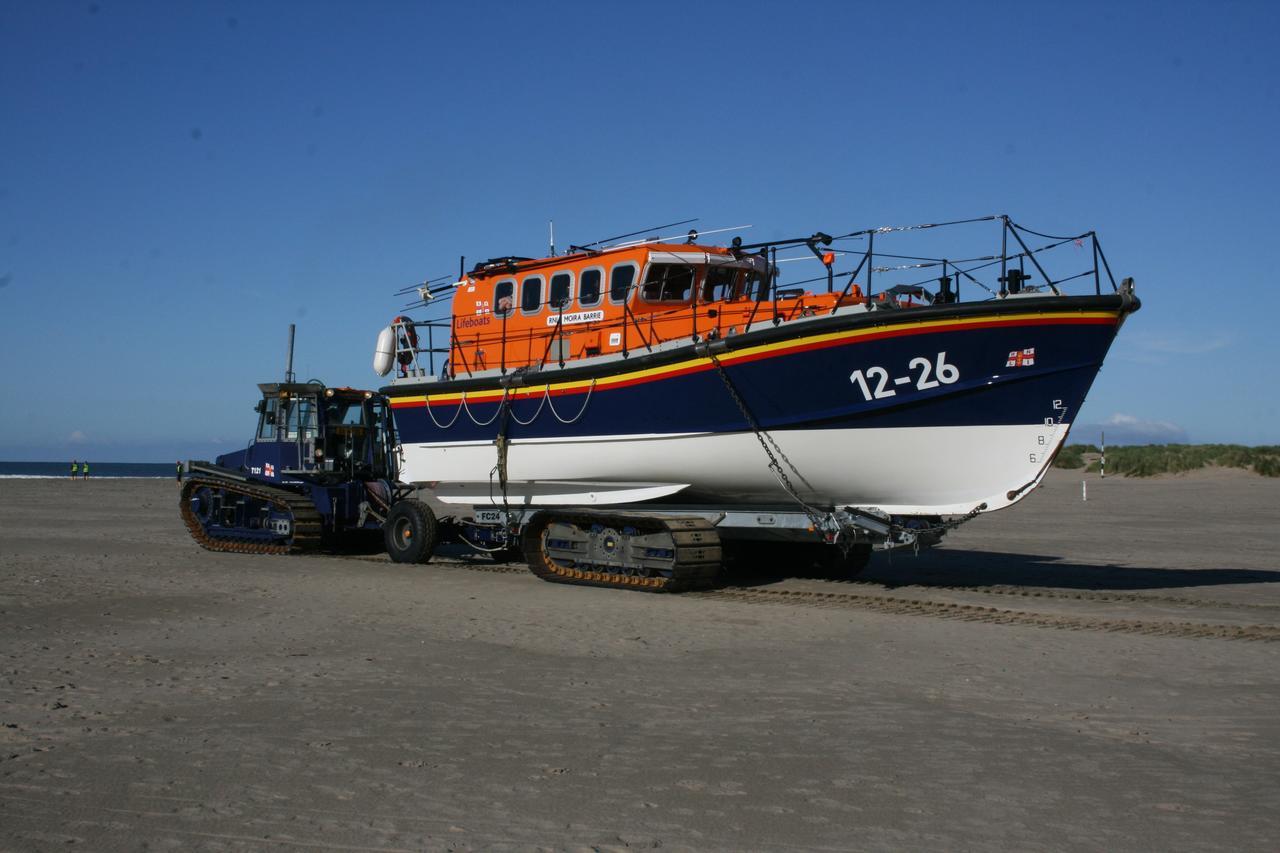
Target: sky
column 181, row 181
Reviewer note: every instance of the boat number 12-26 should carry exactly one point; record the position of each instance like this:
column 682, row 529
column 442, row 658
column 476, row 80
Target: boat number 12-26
column 875, row 383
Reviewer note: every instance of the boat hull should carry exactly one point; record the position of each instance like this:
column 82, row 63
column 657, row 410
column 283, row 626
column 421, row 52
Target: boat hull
column 918, row 412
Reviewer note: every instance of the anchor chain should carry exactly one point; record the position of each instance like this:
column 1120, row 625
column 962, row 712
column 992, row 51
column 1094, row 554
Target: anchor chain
column 832, row 529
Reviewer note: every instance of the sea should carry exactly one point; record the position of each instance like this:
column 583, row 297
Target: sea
column 46, row 470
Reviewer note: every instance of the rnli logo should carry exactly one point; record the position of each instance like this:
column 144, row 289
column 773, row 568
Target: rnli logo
column 1022, row 358
column 269, row 469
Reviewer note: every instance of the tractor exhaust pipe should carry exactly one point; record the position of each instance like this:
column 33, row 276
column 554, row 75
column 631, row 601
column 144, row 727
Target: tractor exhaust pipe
column 288, row 365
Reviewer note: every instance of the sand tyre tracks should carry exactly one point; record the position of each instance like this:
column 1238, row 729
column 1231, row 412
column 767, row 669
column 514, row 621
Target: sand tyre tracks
column 411, row 532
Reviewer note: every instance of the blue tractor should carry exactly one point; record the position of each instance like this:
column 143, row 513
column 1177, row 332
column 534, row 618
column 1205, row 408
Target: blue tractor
column 319, row 475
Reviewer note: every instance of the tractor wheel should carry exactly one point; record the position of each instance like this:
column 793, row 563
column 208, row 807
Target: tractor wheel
column 411, row 532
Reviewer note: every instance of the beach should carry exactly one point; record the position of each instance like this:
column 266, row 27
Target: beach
column 1063, row 675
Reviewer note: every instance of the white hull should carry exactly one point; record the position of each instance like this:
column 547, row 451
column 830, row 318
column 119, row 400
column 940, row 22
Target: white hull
column 903, row 471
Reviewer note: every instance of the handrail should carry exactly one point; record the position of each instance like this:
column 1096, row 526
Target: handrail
column 1011, row 280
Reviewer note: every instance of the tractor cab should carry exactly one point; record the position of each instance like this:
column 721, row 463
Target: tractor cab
column 307, row 432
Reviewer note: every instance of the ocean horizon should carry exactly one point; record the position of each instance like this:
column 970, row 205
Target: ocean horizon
column 97, row 470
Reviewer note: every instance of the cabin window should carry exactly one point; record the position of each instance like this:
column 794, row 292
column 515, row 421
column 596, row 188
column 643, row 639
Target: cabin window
column 589, row 287
column 504, row 297
column 668, row 283
column 720, row 284
column 620, row 280
column 561, row 290
column 531, row 294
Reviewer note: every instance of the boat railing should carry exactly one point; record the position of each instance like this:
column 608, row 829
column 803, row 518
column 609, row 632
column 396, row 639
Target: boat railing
column 410, row 353
column 953, row 278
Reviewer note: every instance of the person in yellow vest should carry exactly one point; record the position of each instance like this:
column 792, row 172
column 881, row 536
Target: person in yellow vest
column 74, row 469
column 84, row 470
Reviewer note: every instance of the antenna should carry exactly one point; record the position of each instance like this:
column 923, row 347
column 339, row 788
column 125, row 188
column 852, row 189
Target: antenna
column 288, row 365
column 551, row 223
column 641, row 231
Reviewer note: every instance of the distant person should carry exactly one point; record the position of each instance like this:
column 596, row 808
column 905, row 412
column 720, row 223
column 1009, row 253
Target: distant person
column 84, row 470
column 179, row 466
column 74, row 469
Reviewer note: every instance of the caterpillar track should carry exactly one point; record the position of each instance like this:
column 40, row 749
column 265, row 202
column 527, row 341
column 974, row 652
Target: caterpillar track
column 305, row 524
column 653, row 553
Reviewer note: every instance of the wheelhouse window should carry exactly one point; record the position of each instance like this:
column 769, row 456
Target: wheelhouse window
column 720, row 284
column 561, row 290
column 504, row 297
column 620, row 280
column 589, row 287
column 757, row 286
column 531, row 294
column 668, row 283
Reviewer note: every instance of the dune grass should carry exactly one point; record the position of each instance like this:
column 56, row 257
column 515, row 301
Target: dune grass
column 1148, row 460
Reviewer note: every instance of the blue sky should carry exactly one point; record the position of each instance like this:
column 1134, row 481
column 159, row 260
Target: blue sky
column 179, row 182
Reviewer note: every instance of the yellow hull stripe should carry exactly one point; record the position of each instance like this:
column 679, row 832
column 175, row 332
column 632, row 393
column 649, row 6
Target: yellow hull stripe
column 691, row 364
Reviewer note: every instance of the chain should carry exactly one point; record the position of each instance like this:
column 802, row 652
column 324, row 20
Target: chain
column 823, row 521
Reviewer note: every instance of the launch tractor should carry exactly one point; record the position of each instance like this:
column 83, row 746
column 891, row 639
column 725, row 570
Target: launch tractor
column 321, row 474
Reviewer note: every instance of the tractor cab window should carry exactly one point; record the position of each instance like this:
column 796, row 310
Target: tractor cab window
column 720, row 285
column 668, row 283
column 267, row 419
column 299, row 419
column 346, row 413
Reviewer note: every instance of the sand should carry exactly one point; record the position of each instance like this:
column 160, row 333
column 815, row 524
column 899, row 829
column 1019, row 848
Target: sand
column 157, row 696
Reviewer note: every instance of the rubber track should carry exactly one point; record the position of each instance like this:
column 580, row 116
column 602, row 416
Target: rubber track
column 307, row 523
column 692, row 570
column 994, row 615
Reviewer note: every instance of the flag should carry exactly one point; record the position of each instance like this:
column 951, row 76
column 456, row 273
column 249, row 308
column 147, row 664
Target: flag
column 1022, row 358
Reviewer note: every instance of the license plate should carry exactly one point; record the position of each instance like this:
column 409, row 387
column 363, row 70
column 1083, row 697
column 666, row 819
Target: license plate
column 489, row 516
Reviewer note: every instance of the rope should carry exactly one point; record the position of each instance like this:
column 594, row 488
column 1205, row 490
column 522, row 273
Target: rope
column 457, row 412
column 497, row 412
column 537, row 412
column 1048, row 236
column 581, row 411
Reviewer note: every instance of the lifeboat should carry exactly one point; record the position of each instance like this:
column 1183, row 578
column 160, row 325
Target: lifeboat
column 679, row 372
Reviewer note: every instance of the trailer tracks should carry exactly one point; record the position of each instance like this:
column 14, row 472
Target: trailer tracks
column 898, row 605
column 879, row 599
